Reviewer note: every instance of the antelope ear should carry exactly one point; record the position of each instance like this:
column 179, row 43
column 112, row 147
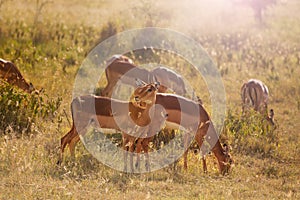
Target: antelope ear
column 156, row 84
column 154, row 78
column 155, row 81
column 139, row 82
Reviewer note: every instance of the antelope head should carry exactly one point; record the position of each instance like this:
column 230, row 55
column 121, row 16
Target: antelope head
column 228, row 162
column 270, row 118
column 145, row 94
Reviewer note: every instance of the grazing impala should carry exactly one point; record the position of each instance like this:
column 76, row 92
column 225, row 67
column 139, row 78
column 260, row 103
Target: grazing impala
column 170, row 79
column 181, row 112
column 179, row 108
column 126, row 72
column 111, row 114
column 255, row 94
column 121, row 68
column 10, row 73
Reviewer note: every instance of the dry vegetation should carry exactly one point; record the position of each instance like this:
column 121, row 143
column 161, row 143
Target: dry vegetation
column 49, row 43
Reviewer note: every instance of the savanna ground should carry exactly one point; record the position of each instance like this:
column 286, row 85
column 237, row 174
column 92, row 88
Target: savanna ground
column 49, row 42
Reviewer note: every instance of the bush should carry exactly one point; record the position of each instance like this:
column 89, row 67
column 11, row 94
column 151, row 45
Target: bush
column 19, row 110
column 251, row 134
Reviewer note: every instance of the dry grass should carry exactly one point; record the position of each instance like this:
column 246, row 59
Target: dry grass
column 50, row 54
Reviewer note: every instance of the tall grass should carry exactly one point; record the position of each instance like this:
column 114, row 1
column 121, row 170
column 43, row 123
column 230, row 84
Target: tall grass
column 50, row 52
column 251, row 134
column 20, row 111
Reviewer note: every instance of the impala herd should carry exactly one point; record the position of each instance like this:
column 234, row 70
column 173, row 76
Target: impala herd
column 148, row 110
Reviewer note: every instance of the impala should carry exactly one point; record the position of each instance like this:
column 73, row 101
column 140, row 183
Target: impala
column 121, row 68
column 170, row 79
column 10, row 73
column 112, row 114
column 158, row 117
column 177, row 108
column 255, row 94
column 181, row 112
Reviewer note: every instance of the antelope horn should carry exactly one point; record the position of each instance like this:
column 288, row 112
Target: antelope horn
column 139, row 82
column 155, row 81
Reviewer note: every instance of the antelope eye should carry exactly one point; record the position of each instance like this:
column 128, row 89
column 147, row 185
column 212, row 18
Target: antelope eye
column 149, row 90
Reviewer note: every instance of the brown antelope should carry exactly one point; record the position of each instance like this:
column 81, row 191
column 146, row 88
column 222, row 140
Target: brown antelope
column 10, row 73
column 111, row 114
column 179, row 108
column 173, row 105
column 255, row 94
column 121, row 68
column 169, row 79
column 116, row 70
column 143, row 142
column 158, row 117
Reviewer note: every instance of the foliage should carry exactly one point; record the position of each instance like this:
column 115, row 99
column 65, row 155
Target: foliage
column 20, row 111
column 251, row 134
column 49, row 43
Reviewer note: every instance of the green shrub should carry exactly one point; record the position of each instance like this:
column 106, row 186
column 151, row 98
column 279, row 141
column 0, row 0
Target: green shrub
column 19, row 110
column 251, row 134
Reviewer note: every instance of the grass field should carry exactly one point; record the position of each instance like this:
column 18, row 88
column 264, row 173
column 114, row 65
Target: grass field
column 49, row 42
